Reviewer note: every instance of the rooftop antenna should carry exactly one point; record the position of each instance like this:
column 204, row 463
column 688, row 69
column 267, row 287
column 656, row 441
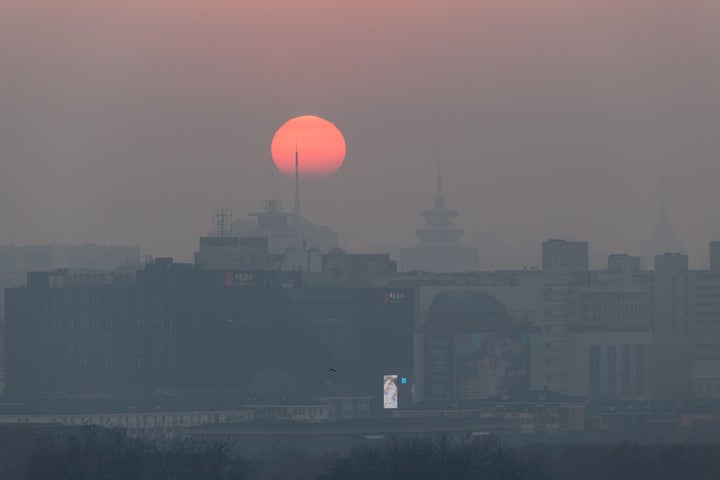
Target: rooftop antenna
column 222, row 221
column 662, row 210
column 272, row 203
column 297, row 182
column 439, row 199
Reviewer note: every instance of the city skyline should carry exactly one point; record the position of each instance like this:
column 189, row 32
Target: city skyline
column 359, row 239
column 127, row 124
column 497, row 252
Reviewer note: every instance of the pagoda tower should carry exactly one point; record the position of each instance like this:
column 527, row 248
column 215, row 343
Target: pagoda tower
column 439, row 229
column 439, row 250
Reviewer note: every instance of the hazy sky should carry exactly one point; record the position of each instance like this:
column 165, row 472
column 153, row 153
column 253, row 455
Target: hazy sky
column 127, row 122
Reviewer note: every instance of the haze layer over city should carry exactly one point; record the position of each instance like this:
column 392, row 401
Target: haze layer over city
column 334, row 240
column 128, row 122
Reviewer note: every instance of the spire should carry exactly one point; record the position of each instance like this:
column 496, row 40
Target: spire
column 662, row 239
column 439, row 229
column 662, row 208
column 439, row 199
column 297, row 183
column 272, row 203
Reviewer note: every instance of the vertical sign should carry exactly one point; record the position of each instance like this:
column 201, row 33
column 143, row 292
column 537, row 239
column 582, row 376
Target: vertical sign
column 390, row 391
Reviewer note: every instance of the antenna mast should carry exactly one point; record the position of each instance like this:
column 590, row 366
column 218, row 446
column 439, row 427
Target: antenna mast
column 297, row 183
column 222, row 221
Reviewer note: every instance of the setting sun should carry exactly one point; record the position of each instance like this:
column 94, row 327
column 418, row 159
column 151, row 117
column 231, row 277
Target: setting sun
column 320, row 146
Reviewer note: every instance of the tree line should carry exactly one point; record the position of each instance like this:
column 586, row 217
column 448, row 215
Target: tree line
column 98, row 454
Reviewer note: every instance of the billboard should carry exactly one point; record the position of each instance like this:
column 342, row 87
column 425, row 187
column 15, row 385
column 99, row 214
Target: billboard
column 491, row 364
column 390, row 391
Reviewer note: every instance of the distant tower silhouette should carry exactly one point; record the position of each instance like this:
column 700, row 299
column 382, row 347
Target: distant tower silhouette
column 662, row 209
column 439, row 198
column 439, row 229
column 439, row 250
column 663, row 239
column 273, row 204
column 297, row 184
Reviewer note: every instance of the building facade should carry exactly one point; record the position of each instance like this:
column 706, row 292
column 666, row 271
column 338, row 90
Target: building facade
column 616, row 333
column 71, row 331
column 16, row 261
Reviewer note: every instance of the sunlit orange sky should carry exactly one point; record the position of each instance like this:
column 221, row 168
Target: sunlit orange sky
column 127, row 122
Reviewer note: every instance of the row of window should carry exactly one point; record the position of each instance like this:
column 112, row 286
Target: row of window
column 708, row 388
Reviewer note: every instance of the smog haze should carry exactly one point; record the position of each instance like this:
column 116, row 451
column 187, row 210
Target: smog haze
column 127, row 123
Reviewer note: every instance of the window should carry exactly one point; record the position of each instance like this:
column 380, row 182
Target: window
column 611, row 370
column 594, row 366
column 640, row 370
column 625, row 382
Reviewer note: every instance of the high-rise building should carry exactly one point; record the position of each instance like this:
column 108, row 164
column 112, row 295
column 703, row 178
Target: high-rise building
column 171, row 325
column 623, row 263
column 714, row 255
column 17, row 261
column 439, row 250
column 564, row 264
column 616, row 333
column 71, row 331
column 571, row 255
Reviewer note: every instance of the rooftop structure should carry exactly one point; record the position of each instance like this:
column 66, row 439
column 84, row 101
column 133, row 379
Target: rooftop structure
column 439, row 229
column 439, row 250
column 285, row 230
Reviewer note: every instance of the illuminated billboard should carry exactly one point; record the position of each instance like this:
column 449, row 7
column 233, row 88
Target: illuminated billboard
column 390, row 391
column 491, row 364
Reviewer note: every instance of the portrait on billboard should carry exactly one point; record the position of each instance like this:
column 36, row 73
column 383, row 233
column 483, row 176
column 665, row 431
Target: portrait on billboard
column 390, row 391
column 491, row 364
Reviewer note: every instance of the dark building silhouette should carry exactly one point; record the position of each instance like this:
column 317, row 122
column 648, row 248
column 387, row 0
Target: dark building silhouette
column 572, row 255
column 623, row 263
column 211, row 327
column 349, row 319
column 16, row 261
column 71, row 331
column 247, row 253
column 286, row 230
column 171, row 325
column 714, row 255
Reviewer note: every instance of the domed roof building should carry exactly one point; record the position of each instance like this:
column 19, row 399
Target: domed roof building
column 471, row 348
